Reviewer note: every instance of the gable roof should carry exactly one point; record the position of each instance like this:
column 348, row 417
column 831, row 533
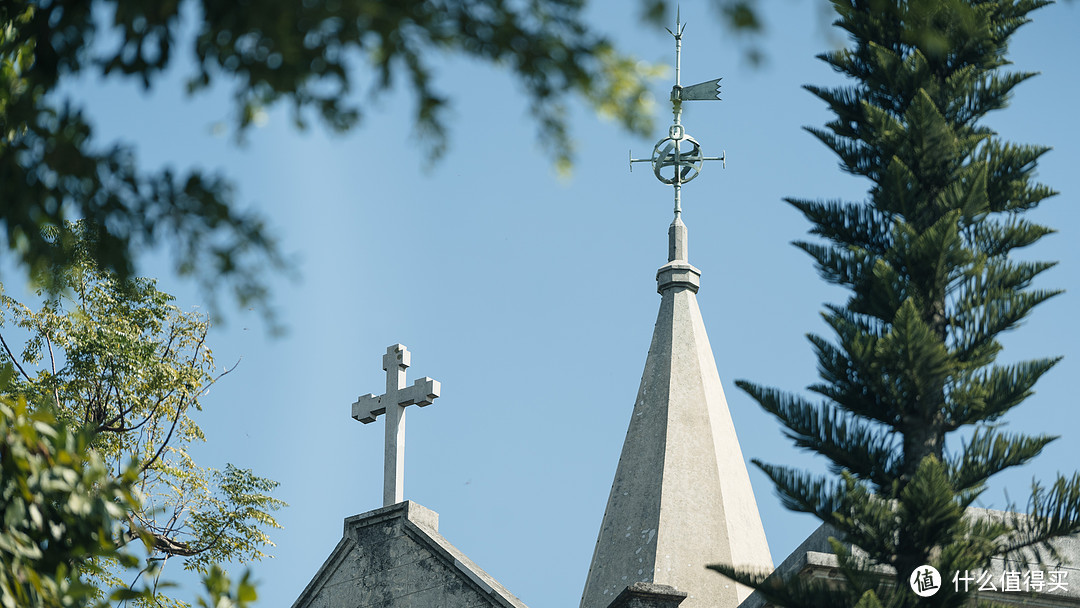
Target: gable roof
column 395, row 557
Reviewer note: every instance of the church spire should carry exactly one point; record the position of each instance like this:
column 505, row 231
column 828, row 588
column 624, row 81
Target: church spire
column 681, row 498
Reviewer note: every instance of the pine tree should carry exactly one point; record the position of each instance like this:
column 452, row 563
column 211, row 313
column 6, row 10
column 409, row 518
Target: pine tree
column 929, row 261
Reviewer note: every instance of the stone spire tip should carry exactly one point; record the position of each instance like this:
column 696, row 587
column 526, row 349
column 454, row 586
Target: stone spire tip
column 677, row 240
column 678, row 272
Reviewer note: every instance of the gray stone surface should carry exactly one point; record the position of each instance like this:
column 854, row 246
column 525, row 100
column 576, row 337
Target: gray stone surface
column 394, row 557
column 648, row 595
column 681, row 497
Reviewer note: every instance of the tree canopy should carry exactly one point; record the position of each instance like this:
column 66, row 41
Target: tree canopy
column 61, row 513
column 930, row 261
column 60, row 505
column 117, row 359
column 324, row 58
column 319, row 57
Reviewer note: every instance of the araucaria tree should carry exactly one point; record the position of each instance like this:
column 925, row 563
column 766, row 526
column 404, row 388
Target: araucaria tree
column 910, row 390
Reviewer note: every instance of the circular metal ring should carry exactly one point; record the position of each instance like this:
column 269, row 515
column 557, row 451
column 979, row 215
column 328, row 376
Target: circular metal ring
column 679, row 158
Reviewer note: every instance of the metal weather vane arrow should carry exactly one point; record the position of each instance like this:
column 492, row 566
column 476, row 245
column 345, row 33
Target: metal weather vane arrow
column 705, row 91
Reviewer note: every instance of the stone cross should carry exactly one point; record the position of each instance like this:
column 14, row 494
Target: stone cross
column 392, row 403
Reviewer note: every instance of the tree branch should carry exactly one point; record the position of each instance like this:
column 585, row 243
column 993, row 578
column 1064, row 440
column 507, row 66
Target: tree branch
column 161, row 448
column 13, row 359
column 106, row 425
column 52, row 364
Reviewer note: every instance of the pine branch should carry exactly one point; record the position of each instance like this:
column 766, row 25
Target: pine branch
column 990, row 451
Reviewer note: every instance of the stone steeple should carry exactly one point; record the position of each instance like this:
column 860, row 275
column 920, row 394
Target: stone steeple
column 681, row 498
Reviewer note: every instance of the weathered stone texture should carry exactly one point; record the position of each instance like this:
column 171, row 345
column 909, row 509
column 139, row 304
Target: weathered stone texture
column 394, row 558
column 681, row 498
column 648, row 595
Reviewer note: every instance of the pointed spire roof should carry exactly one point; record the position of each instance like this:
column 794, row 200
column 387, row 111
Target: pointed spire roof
column 681, row 498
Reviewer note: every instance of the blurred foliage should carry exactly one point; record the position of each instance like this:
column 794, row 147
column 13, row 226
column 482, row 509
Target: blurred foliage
column 318, row 56
column 60, row 507
column 115, row 357
column 326, row 59
column 53, row 170
column 221, row 593
column 62, row 514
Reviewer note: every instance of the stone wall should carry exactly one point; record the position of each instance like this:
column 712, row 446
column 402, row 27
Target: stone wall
column 395, row 558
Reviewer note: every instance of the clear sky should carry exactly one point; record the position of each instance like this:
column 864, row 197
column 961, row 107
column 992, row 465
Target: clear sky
column 532, row 298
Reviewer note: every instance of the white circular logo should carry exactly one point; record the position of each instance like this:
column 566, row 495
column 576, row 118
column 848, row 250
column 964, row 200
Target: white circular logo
column 925, row 581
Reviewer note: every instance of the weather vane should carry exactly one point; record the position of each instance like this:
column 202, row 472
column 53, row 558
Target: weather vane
column 677, row 158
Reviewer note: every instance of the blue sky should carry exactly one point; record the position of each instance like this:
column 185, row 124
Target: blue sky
column 532, row 298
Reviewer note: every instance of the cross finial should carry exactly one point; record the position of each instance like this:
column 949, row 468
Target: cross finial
column 677, row 158
column 368, row 407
